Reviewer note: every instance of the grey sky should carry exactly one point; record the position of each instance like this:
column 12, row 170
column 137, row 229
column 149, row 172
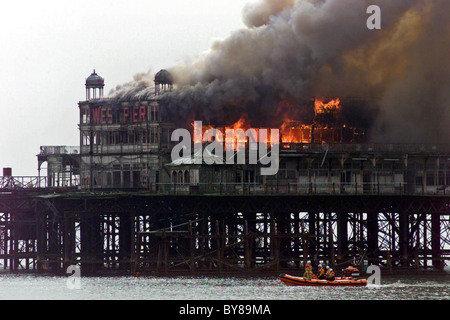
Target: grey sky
column 48, row 48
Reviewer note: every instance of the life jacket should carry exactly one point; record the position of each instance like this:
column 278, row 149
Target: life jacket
column 307, row 275
column 321, row 271
column 330, row 274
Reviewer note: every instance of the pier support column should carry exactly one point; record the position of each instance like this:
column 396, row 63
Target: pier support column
column 220, row 244
column 69, row 240
column 14, row 246
column 274, row 246
column 403, row 238
column 125, row 231
column 312, row 234
column 250, row 241
column 372, row 237
column 91, row 244
column 342, row 235
column 247, row 247
column 331, row 242
column 283, row 241
column 436, row 240
column 41, row 246
column 192, row 233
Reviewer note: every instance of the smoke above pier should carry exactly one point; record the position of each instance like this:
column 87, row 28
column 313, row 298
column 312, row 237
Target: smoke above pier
column 394, row 82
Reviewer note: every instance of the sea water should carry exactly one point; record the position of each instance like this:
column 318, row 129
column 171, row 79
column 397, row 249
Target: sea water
column 31, row 287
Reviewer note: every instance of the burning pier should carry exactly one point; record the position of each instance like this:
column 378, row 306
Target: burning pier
column 117, row 203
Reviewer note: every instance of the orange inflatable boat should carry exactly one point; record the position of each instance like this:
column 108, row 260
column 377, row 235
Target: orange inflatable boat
column 339, row 281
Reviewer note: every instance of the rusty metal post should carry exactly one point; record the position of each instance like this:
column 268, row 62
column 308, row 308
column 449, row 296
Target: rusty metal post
column 436, row 240
column 372, row 237
column 403, row 238
column 342, row 236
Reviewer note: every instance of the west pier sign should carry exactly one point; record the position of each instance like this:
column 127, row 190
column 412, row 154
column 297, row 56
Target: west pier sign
column 118, row 114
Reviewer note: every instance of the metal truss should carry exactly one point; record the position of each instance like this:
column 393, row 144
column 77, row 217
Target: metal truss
column 132, row 233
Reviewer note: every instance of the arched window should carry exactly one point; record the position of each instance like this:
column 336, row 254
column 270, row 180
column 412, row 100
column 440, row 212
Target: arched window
column 174, row 177
column 180, row 177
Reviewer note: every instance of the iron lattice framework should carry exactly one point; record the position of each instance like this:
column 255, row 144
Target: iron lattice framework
column 131, row 233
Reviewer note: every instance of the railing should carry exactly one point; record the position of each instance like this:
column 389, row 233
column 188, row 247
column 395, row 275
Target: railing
column 368, row 147
column 300, row 188
column 283, row 188
column 238, row 188
column 59, row 150
column 303, row 147
column 23, row 182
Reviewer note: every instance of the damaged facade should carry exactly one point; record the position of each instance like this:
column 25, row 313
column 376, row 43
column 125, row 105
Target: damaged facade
column 125, row 144
column 122, row 144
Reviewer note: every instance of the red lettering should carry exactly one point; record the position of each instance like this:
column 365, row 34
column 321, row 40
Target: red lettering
column 106, row 115
column 103, row 115
column 135, row 114
column 96, row 115
column 142, row 113
column 126, row 114
column 109, row 115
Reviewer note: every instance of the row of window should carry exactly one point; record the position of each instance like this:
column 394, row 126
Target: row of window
column 125, row 179
column 349, row 164
column 181, row 177
column 106, row 138
column 432, row 179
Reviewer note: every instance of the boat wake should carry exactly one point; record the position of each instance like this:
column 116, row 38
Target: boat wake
column 401, row 284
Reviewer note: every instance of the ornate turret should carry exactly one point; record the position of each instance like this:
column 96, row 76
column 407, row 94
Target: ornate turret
column 94, row 86
column 163, row 81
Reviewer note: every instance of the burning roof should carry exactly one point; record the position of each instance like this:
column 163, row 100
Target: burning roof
column 292, row 50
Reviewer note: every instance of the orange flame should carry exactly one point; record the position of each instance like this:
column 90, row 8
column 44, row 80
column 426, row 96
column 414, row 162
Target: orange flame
column 237, row 141
column 291, row 131
column 331, row 106
column 294, row 132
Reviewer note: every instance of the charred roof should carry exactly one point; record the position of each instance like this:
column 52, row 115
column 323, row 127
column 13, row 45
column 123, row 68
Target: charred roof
column 163, row 77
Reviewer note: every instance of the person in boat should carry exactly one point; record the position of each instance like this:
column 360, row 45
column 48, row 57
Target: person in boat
column 308, row 271
column 321, row 272
column 308, row 266
column 330, row 275
column 350, row 271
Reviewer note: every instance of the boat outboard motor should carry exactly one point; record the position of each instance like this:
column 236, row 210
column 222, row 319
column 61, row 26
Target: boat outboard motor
column 351, row 272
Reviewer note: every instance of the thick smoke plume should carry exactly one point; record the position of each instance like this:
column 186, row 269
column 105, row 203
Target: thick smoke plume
column 293, row 50
column 140, row 87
